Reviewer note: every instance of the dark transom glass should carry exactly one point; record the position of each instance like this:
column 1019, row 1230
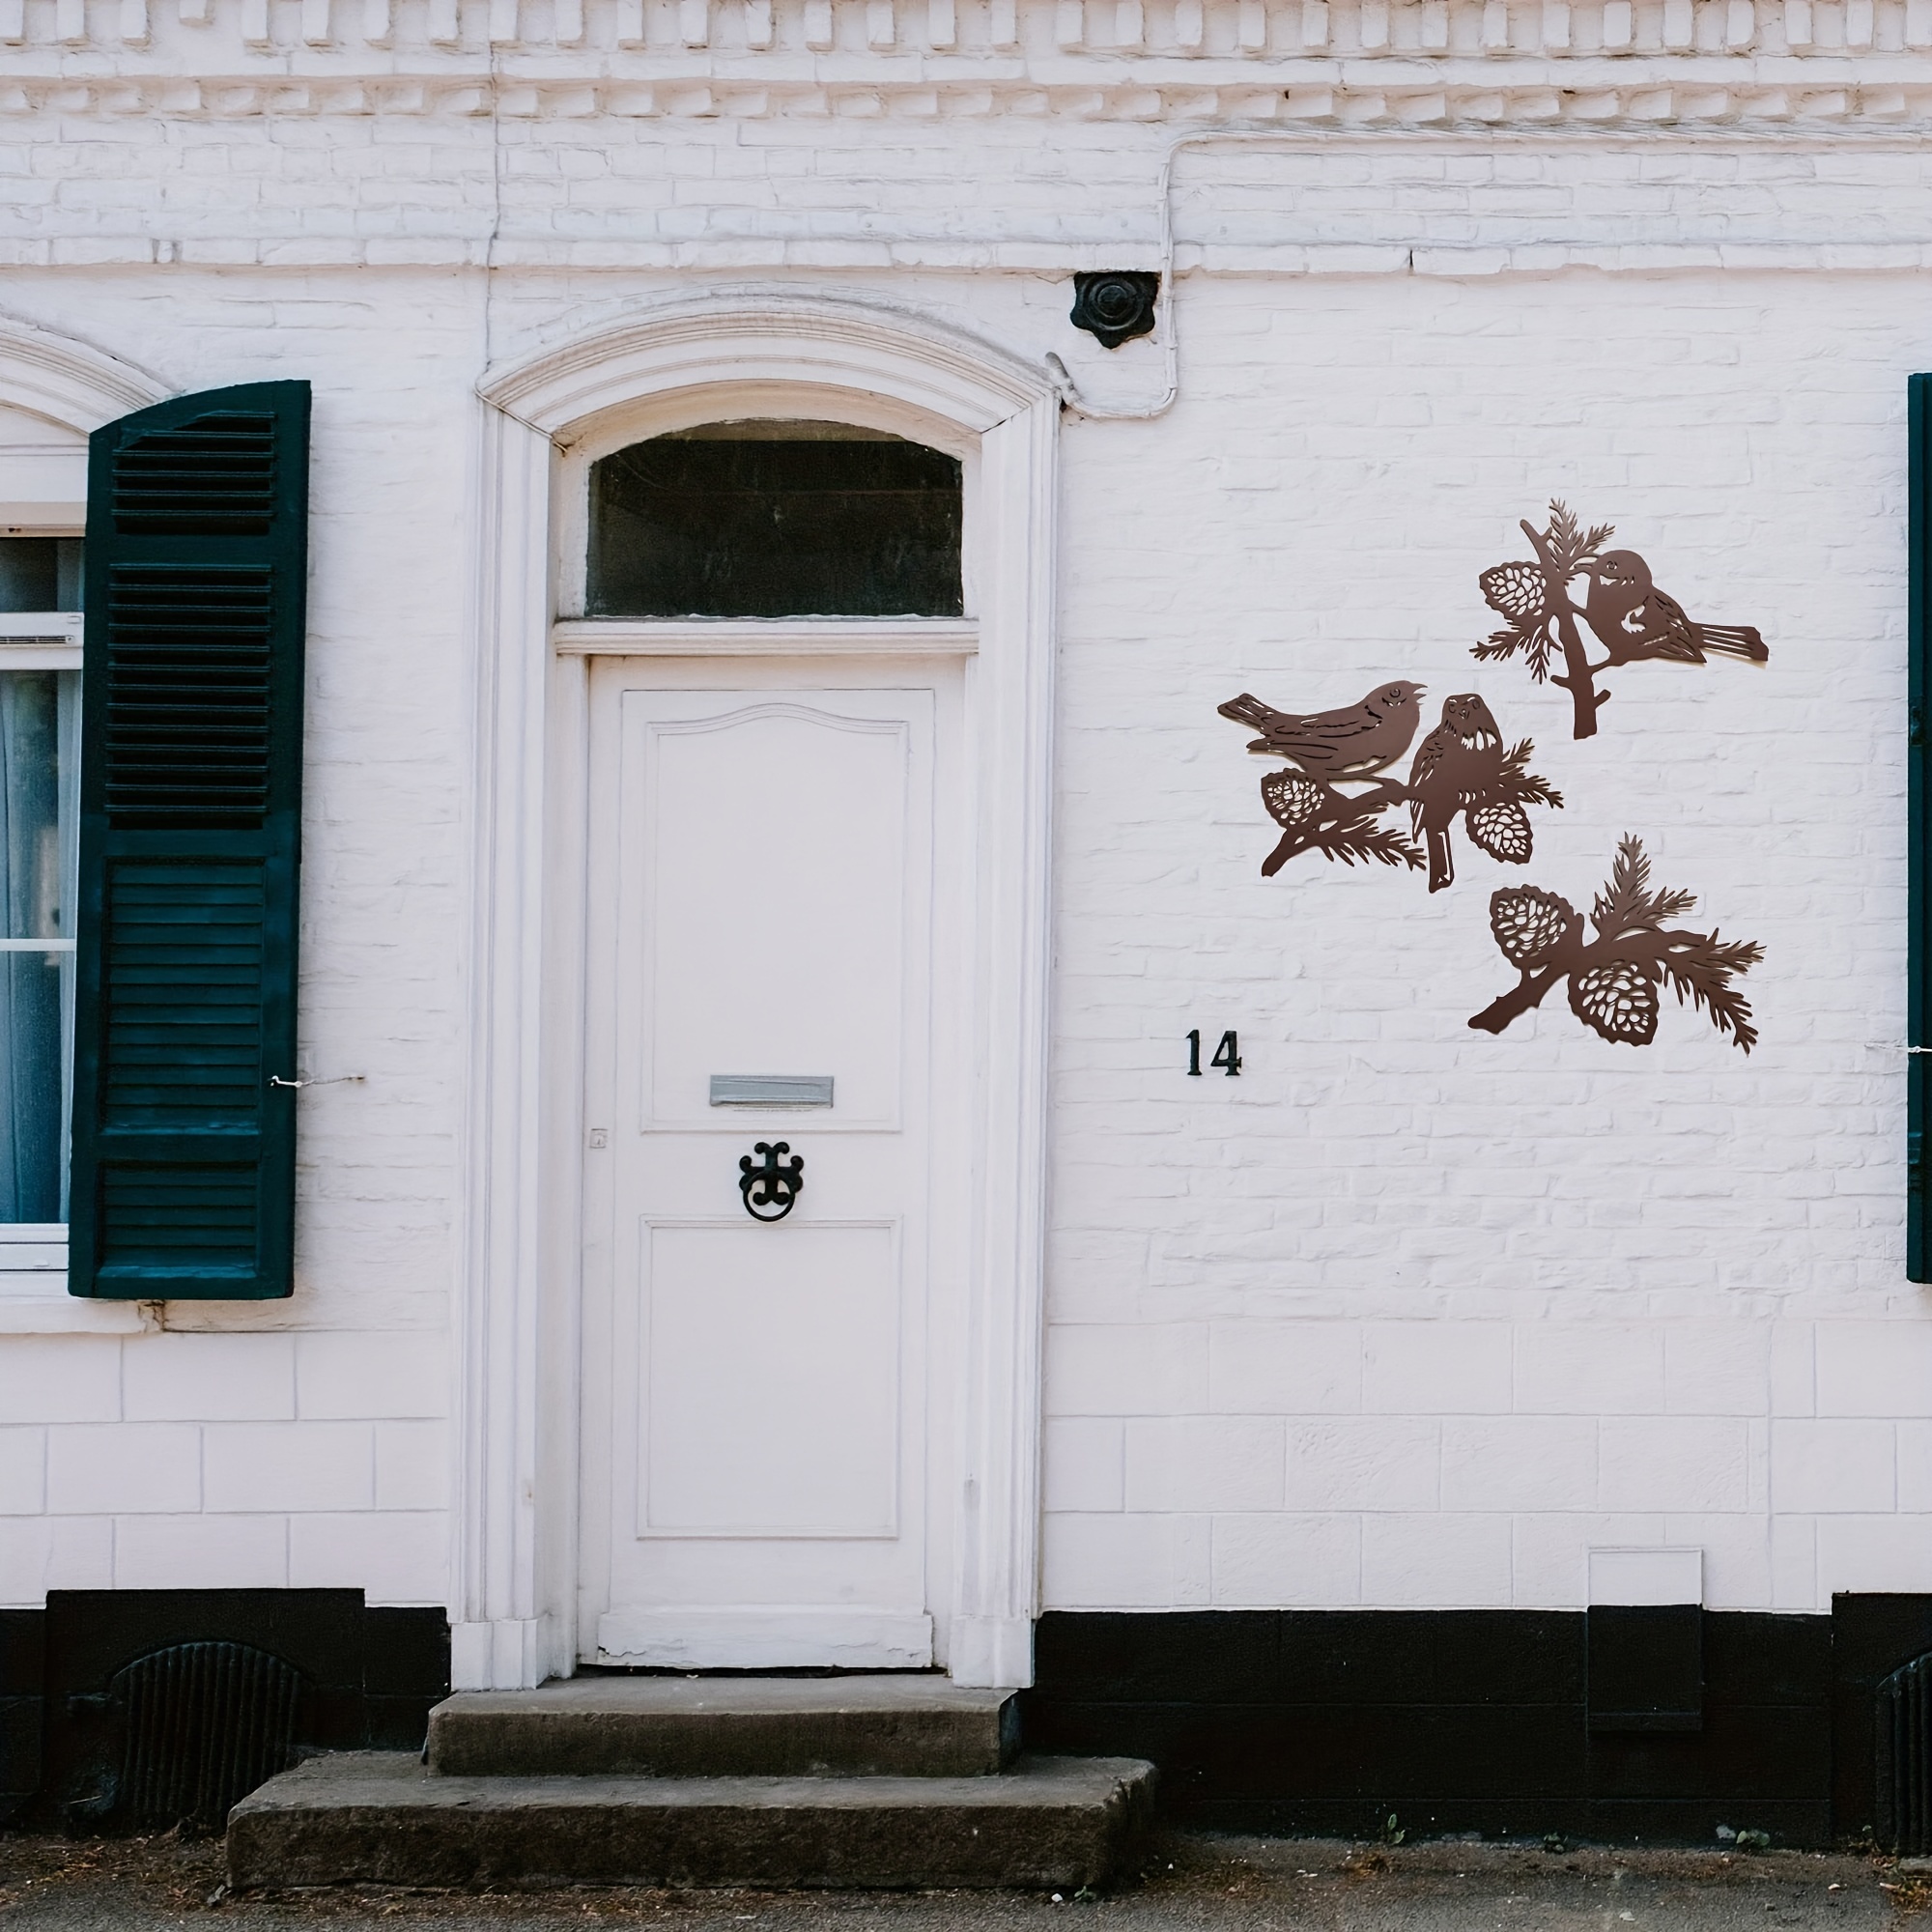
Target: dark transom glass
column 775, row 520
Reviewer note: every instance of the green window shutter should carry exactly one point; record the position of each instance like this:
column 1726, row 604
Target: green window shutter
column 190, row 802
column 1918, row 941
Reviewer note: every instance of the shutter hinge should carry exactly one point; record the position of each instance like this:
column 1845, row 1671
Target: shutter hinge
column 336, row 1080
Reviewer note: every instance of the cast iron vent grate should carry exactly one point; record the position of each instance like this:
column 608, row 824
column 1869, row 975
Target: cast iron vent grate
column 1904, row 1779
column 214, row 476
column 206, row 1722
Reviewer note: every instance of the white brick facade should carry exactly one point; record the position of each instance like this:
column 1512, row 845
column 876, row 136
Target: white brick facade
column 1408, row 1316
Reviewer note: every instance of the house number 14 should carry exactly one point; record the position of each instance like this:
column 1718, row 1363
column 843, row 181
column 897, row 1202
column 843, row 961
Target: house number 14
column 1227, row 1056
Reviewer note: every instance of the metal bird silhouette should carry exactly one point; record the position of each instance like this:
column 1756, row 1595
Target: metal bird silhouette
column 1457, row 764
column 1624, row 609
column 1351, row 742
column 1632, row 619
column 1460, row 768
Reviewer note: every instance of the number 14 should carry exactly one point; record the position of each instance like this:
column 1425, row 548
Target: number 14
column 1227, row 1056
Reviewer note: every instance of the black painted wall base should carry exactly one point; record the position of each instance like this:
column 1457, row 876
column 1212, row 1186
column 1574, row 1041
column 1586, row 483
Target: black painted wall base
column 369, row 1676
column 1638, row 1725
column 1485, row 1721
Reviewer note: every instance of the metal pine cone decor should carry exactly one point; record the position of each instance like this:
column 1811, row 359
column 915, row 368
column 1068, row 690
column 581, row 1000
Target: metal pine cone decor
column 1614, row 980
column 1621, row 606
column 1461, row 770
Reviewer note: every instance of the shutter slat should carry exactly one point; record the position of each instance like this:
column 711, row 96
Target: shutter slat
column 183, row 1155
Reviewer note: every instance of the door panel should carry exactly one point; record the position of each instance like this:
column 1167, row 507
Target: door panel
column 756, row 1456
column 771, row 1382
column 775, row 924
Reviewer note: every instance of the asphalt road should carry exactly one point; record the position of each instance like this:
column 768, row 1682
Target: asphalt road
column 1213, row 1883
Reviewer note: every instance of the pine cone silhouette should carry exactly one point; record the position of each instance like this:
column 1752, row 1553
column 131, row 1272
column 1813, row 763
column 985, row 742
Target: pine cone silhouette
column 1516, row 591
column 1634, row 620
column 1290, row 798
column 1616, row 999
column 1527, row 922
column 1501, row 829
column 1347, row 743
column 1457, row 764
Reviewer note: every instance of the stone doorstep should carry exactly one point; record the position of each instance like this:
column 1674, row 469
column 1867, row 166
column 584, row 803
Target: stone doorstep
column 902, row 1725
column 383, row 1818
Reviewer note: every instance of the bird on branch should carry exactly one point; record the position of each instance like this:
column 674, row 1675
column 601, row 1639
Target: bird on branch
column 1347, row 743
column 1458, row 768
column 1634, row 620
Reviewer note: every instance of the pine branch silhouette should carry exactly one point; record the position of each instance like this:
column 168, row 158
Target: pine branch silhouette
column 1613, row 980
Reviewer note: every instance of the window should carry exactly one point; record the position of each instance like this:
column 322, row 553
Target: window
column 40, row 768
column 776, row 518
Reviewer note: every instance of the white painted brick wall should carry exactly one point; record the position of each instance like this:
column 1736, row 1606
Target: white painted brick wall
column 1405, row 1316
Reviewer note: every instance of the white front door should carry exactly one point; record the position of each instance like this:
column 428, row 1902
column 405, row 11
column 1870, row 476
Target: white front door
column 761, row 971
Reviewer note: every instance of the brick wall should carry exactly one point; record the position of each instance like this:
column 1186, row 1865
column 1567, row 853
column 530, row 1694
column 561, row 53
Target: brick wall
column 1404, row 1317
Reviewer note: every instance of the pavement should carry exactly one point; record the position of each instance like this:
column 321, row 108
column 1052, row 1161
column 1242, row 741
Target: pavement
column 1192, row 1883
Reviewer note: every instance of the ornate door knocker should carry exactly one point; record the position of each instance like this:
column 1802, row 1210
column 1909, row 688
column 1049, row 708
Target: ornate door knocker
column 770, row 1190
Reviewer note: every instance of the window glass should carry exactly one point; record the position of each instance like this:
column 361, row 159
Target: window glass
column 767, row 518
column 40, row 573
column 40, row 748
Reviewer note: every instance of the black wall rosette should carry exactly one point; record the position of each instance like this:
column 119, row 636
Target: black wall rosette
column 1116, row 305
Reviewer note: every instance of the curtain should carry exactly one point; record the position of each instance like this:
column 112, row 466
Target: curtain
column 40, row 717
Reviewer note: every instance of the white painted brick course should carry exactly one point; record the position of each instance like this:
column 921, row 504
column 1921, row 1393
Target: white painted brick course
column 24, row 1472
column 99, row 1467
column 1385, row 1463
column 1085, row 1464
column 176, row 1553
column 350, row 1375
column 1257, row 1562
column 59, row 1378
column 412, row 1465
column 305, row 1465
column 209, row 1378
column 1303, row 1368
column 1435, row 1557
column 1196, row 1463
column 1430, row 1368
column 1821, row 1469
column 38, row 1554
column 1519, row 1462
column 397, row 1556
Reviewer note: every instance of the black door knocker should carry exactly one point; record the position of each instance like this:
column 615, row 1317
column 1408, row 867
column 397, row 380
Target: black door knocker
column 776, row 1185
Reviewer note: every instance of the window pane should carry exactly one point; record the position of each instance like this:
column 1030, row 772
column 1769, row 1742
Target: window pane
column 39, row 824
column 775, row 520
column 40, row 573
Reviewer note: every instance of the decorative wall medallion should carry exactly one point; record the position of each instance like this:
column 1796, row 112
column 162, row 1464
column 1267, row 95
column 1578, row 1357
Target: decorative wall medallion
column 1461, row 770
column 1116, row 305
column 1614, row 977
column 1626, row 612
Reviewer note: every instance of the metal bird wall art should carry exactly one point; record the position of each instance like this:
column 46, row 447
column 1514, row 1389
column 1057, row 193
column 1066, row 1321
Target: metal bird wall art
column 1620, row 605
column 1614, row 979
column 1461, row 770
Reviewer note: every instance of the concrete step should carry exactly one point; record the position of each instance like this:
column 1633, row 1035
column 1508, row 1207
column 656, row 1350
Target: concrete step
column 383, row 1818
column 902, row 1725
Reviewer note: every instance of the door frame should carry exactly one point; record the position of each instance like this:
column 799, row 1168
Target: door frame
column 519, row 1215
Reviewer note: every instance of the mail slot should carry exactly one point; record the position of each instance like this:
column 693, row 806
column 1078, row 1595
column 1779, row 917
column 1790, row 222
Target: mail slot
column 771, row 1090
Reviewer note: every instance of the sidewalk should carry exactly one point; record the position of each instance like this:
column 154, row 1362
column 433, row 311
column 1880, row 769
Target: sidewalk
column 1213, row 1883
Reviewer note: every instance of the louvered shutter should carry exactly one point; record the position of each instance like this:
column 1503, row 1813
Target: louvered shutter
column 190, row 799
column 1918, row 941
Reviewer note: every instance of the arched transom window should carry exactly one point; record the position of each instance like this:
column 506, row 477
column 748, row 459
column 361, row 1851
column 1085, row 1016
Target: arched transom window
column 768, row 518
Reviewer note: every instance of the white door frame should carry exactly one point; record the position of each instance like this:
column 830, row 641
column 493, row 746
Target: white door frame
column 514, row 1537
